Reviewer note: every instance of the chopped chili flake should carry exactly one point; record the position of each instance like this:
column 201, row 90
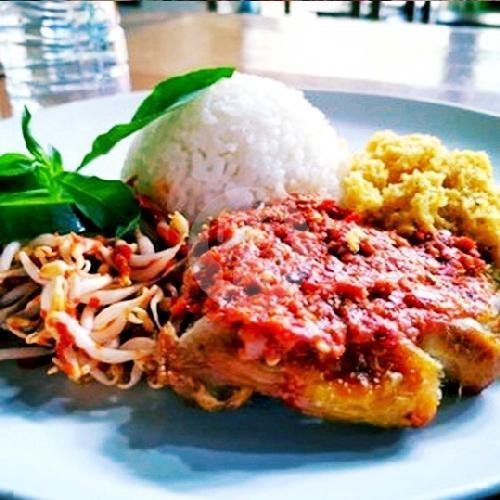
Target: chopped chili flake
column 292, row 278
column 63, row 341
column 94, row 302
column 121, row 257
column 465, row 244
column 169, row 235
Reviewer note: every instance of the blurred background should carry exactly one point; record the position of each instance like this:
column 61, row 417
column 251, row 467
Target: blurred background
column 60, row 51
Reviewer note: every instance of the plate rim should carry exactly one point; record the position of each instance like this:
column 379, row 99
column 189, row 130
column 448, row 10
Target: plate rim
column 339, row 92
column 474, row 489
column 411, row 99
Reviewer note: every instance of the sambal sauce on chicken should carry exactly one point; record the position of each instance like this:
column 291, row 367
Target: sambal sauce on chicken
column 297, row 299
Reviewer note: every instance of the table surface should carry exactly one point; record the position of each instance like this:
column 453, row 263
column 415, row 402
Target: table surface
column 458, row 65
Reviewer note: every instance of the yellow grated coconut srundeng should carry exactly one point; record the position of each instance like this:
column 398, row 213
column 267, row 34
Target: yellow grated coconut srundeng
column 413, row 182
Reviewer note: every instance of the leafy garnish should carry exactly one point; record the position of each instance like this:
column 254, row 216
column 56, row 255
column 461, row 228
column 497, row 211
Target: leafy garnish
column 26, row 218
column 110, row 205
column 31, row 144
column 15, row 164
column 165, row 97
column 17, row 173
column 38, row 196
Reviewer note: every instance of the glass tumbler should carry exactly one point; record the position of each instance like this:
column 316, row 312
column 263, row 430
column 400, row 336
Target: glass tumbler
column 58, row 51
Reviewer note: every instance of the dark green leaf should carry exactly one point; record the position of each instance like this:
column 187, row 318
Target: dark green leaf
column 34, row 196
column 177, row 88
column 14, row 164
column 110, row 205
column 105, row 142
column 123, row 230
column 19, row 183
column 31, row 144
column 51, row 159
column 165, row 97
column 25, row 216
column 17, row 173
column 37, row 196
column 55, row 161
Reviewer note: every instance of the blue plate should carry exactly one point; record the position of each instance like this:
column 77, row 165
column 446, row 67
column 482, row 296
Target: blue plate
column 60, row 440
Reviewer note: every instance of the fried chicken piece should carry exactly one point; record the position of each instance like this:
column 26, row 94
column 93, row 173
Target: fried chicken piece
column 298, row 300
column 397, row 388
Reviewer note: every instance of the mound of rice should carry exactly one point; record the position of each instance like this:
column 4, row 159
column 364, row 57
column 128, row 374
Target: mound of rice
column 413, row 182
column 244, row 140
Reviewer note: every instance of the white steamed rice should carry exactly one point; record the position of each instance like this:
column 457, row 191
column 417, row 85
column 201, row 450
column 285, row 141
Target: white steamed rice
column 246, row 139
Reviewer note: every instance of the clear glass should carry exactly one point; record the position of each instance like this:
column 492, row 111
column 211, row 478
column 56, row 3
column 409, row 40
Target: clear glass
column 59, row 51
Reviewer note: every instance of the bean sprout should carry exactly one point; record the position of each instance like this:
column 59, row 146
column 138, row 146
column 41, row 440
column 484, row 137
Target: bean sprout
column 90, row 303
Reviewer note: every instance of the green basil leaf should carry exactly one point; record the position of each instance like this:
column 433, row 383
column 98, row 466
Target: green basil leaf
column 37, row 196
column 124, row 229
column 26, row 215
column 55, row 159
column 105, row 142
column 165, row 97
column 17, row 173
column 34, row 196
column 14, row 164
column 110, row 205
column 19, row 183
column 177, row 89
column 51, row 159
column 31, row 144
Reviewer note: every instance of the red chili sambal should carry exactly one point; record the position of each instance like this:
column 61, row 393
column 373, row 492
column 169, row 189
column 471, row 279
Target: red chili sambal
column 304, row 272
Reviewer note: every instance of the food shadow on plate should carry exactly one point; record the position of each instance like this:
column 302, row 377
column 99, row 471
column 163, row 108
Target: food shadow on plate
column 183, row 443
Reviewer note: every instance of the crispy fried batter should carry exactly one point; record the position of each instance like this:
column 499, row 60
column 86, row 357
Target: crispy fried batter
column 405, row 394
column 470, row 354
column 408, row 394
